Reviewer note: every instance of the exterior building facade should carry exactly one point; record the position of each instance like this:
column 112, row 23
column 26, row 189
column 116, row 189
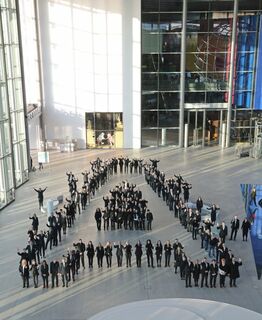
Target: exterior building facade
column 13, row 140
column 200, row 66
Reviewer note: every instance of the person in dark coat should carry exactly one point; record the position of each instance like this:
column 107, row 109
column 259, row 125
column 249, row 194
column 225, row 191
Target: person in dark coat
column 54, row 269
column 100, row 255
column 196, row 272
column 246, row 226
column 189, row 268
column 138, row 253
column 40, row 192
column 234, row 271
column 35, row 273
column 168, row 250
column 45, row 273
column 98, row 218
column 149, row 253
column 213, row 271
column 128, row 250
column 80, row 246
column 234, row 227
column 199, row 204
column 159, row 252
column 149, row 219
column 204, row 272
column 178, row 258
column 108, row 253
column 222, row 231
column 35, row 222
column 90, row 252
column 213, row 214
column 119, row 253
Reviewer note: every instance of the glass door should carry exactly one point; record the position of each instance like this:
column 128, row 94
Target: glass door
column 196, row 127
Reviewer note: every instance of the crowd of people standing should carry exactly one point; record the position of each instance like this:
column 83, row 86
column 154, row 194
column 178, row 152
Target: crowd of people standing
column 126, row 208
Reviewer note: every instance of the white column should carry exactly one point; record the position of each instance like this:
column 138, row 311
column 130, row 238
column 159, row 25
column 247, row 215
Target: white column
column 186, row 136
column 163, row 136
column 183, row 75
column 223, row 136
column 231, row 73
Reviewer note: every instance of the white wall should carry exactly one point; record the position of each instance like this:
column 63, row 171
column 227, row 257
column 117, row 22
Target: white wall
column 91, row 63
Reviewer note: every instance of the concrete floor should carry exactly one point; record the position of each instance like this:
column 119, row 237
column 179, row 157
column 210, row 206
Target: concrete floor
column 215, row 175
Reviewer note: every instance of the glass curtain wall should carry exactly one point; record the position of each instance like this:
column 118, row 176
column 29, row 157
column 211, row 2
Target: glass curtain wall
column 208, row 47
column 161, row 54
column 207, row 62
column 13, row 150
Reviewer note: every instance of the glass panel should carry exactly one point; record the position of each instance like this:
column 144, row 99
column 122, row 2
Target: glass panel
column 150, row 42
column 149, row 137
column 171, row 5
column 243, row 81
column 24, row 163
column 170, row 42
column 104, row 121
column 203, row 42
column 221, row 26
column 149, row 62
column 2, row 69
column 5, row 139
column 196, row 62
column 18, row 126
column 149, row 81
column 195, row 97
column 3, row 102
column 13, row 26
column 169, row 62
column 168, row 137
column 247, row 23
column 246, row 41
column 150, row 5
column 17, row 162
column 8, row 62
column 195, row 81
column 168, row 100
column 169, row 81
column 18, row 94
column 9, row 182
column 168, row 119
column 149, row 101
column 20, row 122
column 216, row 97
column 197, row 5
column 149, row 119
column 6, row 36
column 170, row 22
column 16, row 69
column 2, row 185
column 219, row 42
column 197, row 22
column 150, row 22
column 14, row 127
column 11, row 94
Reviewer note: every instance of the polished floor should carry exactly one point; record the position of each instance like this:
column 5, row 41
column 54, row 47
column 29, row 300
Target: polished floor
column 216, row 176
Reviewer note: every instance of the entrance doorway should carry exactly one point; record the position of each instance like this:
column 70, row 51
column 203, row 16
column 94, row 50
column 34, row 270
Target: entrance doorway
column 205, row 126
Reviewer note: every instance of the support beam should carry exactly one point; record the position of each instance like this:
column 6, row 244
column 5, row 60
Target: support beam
column 183, row 76
column 231, row 73
column 40, row 71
